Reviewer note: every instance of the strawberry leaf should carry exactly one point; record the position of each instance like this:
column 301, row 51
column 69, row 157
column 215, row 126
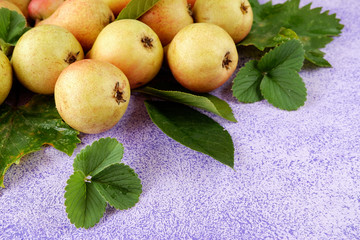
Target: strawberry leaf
column 84, row 205
column 119, row 185
column 98, row 156
column 25, row 129
column 314, row 28
column 275, row 77
column 284, row 89
column 246, row 87
column 99, row 178
column 12, row 27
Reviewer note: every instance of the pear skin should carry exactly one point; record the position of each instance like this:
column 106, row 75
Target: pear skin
column 5, row 77
column 116, row 5
column 202, row 57
column 42, row 9
column 83, row 18
column 11, row 6
column 133, row 47
column 22, row 5
column 167, row 18
column 41, row 54
column 92, row 96
column 236, row 16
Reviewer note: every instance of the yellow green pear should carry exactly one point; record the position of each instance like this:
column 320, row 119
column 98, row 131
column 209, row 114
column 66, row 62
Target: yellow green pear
column 235, row 16
column 41, row 54
column 83, row 18
column 92, row 96
column 133, row 47
column 5, row 77
column 202, row 57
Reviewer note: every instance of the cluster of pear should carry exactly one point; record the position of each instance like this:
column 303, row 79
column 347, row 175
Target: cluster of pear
column 76, row 51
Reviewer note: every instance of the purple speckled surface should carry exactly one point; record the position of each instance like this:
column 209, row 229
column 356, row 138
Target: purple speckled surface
column 297, row 173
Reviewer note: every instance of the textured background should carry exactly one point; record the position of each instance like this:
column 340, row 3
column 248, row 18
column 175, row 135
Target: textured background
column 297, row 173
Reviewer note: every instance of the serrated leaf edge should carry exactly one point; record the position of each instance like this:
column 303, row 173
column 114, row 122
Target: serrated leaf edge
column 67, row 207
column 83, row 151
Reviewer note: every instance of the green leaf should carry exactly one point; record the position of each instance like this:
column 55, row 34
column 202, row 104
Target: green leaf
column 284, row 89
column 98, row 156
column 99, row 178
column 119, row 185
column 192, row 129
column 246, row 86
column 25, row 129
column 206, row 102
column 84, row 205
column 12, row 27
column 284, row 35
column 136, row 8
column 289, row 55
column 317, row 57
column 275, row 77
column 314, row 28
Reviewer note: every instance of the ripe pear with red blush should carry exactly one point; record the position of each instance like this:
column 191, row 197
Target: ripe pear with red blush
column 42, row 9
column 83, row 18
column 116, row 5
column 167, row 18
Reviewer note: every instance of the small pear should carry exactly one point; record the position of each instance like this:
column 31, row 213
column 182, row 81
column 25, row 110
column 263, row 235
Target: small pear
column 202, row 57
column 41, row 54
column 5, row 77
column 236, row 16
column 167, row 18
column 133, row 47
column 22, row 5
column 42, row 9
column 11, row 6
column 116, row 5
column 83, row 18
column 92, row 96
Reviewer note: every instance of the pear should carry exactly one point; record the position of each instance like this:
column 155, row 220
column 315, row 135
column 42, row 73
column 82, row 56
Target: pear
column 22, row 5
column 167, row 17
column 11, row 6
column 5, row 77
column 191, row 3
column 116, row 5
column 42, row 9
column 236, row 16
column 41, row 54
column 83, row 18
column 202, row 57
column 133, row 47
column 92, row 96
